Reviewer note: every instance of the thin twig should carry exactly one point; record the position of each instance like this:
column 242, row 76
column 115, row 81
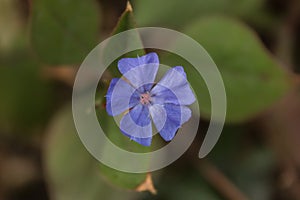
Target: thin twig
column 65, row 74
column 220, row 182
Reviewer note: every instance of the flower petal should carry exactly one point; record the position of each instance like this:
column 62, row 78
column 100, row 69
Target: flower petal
column 126, row 64
column 174, row 82
column 120, row 97
column 159, row 116
column 175, row 116
column 161, row 95
column 142, row 141
column 140, row 70
column 140, row 115
column 137, row 125
column 180, row 70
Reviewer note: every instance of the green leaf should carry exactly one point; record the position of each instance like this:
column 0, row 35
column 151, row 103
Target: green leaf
column 126, row 22
column 177, row 14
column 71, row 172
column 112, row 131
column 27, row 99
column 64, row 32
column 253, row 80
column 124, row 180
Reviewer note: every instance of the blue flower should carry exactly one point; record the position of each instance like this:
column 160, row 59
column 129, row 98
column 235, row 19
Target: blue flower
column 140, row 99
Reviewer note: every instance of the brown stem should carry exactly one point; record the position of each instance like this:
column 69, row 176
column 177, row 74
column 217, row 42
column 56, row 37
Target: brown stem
column 65, row 74
column 220, row 182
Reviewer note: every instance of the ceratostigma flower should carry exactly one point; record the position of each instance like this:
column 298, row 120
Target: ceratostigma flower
column 140, row 99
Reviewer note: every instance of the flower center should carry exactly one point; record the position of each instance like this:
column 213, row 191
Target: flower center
column 145, row 98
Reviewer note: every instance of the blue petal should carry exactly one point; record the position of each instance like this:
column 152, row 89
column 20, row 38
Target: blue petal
column 163, row 95
column 137, row 125
column 119, row 97
column 140, row 115
column 126, row 64
column 175, row 116
column 140, row 70
column 159, row 116
column 175, row 81
column 180, row 70
column 142, row 141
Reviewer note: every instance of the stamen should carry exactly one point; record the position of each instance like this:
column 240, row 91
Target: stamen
column 145, row 98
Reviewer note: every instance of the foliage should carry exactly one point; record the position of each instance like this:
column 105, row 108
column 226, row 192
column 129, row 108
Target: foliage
column 44, row 41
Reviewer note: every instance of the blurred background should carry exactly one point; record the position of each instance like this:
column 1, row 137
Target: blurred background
column 255, row 44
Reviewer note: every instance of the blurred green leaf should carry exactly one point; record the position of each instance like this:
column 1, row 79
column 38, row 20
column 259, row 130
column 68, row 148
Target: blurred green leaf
column 109, row 126
column 26, row 100
column 177, row 14
column 253, row 80
column 71, row 171
column 64, row 32
column 126, row 22
column 124, row 180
